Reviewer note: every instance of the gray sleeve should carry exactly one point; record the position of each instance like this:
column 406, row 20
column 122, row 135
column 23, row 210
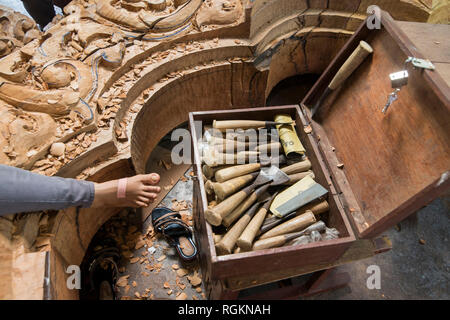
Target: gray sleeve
column 24, row 191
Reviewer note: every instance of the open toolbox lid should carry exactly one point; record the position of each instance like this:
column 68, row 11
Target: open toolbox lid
column 385, row 166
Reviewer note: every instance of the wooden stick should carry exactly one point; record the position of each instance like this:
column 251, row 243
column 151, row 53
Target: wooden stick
column 245, row 240
column 224, row 189
column 226, row 245
column 295, row 224
column 316, row 208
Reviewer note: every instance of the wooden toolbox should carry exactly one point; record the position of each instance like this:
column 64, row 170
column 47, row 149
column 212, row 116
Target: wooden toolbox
column 378, row 168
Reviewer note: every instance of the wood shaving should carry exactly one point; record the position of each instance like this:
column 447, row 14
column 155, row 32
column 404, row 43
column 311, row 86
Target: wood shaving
column 182, row 272
column 308, row 129
column 134, row 260
column 195, row 280
column 123, row 281
column 161, row 258
column 182, row 296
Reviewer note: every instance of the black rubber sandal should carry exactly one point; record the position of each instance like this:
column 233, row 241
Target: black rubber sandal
column 177, row 233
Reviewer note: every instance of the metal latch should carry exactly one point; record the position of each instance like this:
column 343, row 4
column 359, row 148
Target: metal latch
column 400, row 79
column 421, row 63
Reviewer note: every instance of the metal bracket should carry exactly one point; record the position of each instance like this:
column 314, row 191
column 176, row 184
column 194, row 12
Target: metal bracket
column 421, row 63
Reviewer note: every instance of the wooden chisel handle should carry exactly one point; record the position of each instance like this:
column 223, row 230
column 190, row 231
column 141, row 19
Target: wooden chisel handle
column 269, row 148
column 355, row 59
column 209, row 187
column 215, row 215
column 278, row 241
column 245, row 240
column 295, row 224
column 269, row 243
column 236, row 171
column 244, row 205
column 301, row 166
column 316, row 208
column 241, row 124
column 210, row 171
column 214, row 158
column 296, row 177
column 224, row 189
column 227, row 243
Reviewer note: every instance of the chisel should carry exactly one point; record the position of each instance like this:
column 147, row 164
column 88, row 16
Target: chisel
column 296, row 177
column 240, row 209
column 225, row 174
column 297, row 167
column 298, row 223
column 356, row 58
column 245, row 240
column 272, row 174
column 243, row 124
column 210, row 171
column 227, row 243
column 278, row 241
column 316, row 208
column 224, row 189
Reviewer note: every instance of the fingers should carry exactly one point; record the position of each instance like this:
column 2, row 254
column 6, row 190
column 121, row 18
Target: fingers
column 149, row 195
column 152, row 178
column 141, row 204
column 145, row 200
column 154, row 189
